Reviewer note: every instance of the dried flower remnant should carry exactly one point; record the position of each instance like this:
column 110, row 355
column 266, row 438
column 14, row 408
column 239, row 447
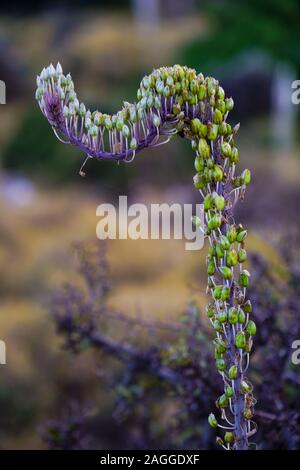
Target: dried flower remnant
column 177, row 100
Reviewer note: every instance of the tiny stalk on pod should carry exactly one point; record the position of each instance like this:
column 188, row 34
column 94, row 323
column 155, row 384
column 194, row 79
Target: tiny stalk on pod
column 177, row 100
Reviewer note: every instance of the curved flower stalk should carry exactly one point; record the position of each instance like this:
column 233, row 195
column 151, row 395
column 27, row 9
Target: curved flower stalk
column 177, row 100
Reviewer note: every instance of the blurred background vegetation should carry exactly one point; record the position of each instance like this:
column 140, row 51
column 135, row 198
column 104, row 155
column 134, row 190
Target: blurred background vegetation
column 253, row 48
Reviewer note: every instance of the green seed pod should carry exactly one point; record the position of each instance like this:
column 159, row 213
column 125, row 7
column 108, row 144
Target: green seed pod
column 224, row 242
column 245, row 388
column 217, row 292
column 199, row 164
column 198, row 181
column 234, row 158
column 229, row 437
column 220, row 345
column 229, row 104
column 242, row 316
column 220, row 364
column 226, row 149
column 220, row 104
column 232, row 373
column 217, row 326
column 195, row 125
column 248, row 414
column 219, row 251
column 246, row 177
column 211, row 269
column 218, row 118
column 212, row 420
column 229, row 392
column 219, row 202
column 125, row 131
column 233, row 315
column 226, row 272
column 220, row 93
column 241, row 236
column 242, row 255
column 210, row 163
column 251, row 328
column 214, row 222
column 208, row 202
column 202, row 92
column 231, row 258
column 244, row 278
column 222, row 316
column 133, row 143
column 203, row 130
column 218, row 173
column 223, row 128
column 225, row 293
column 210, row 311
column 240, row 340
column 203, row 148
column 212, row 131
column 223, row 401
column 247, row 307
column 231, row 234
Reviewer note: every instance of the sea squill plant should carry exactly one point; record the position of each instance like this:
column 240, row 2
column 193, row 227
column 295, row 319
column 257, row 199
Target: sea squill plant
column 177, row 100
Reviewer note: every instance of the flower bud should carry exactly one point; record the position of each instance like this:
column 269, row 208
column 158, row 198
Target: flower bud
column 212, row 131
column 229, row 392
column 240, row 340
column 220, row 364
column 199, row 164
column 232, row 373
column 219, row 202
column 220, row 93
column 244, row 278
column 217, row 326
column 251, row 328
column 208, row 202
column 219, row 251
column 231, row 234
column 217, row 292
column 247, row 307
column 156, row 121
column 133, row 143
column 234, row 158
column 198, row 181
column 245, row 388
column 229, row 104
column 203, row 148
column 225, row 294
column 248, row 414
column 218, row 173
column 211, row 268
column 242, row 255
column 226, row 149
column 218, row 118
column 210, row 311
column 202, row 92
column 233, row 315
column 246, row 177
column 241, row 236
column 225, row 243
column 212, row 420
column 242, row 316
column 231, row 258
column 229, row 437
column 203, row 130
column 222, row 316
column 223, row 401
column 125, row 131
column 226, row 272
column 195, row 125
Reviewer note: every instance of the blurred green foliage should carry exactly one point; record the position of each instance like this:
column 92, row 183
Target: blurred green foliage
column 271, row 26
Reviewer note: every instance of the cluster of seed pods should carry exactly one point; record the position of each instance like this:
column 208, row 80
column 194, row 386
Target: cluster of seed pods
column 177, row 100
